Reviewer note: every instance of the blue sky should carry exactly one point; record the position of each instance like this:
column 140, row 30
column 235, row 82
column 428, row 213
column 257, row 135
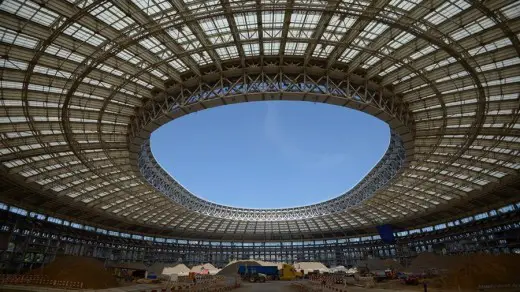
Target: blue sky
column 272, row 154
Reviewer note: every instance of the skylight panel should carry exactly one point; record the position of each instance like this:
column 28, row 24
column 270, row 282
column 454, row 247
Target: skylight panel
column 110, row 69
column 127, row 56
column 178, row 65
column 251, row 49
column 390, row 69
column 472, row 28
column 184, row 37
column 29, row 10
column 64, row 53
column 441, row 63
column 159, row 74
column 81, row 3
column 424, row 51
column 295, row 48
column 152, row 7
column 272, row 19
column 142, row 83
column 8, row 120
column 217, row 29
column 247, row 25
column 246, row 21
column 273, row 1
column 11, row 103
column 512, row 10
column 42, row 88
column 11, row 37
column 302, row 25
column 337, row 27
column 96, row 82
column 304, row 19
column 13, row 64
column 51, row 72
column 500, row 64
column 371, row 61
column 271, row 48
column 446, row 11
column 82, row 33
column 311, row 2
column 152, row 44
column 272, row 33
column 373, row 30
column 201, row 6
column 242, row 3
column 400, row 40
column 490, row 47
column 201, row 58
column 215, row 25
column 322, row 51
column 300, row 33
column 112, row 15
column 406, row 5
column 227, row 52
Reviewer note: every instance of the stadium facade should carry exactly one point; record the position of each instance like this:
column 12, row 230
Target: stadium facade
column 84, row 84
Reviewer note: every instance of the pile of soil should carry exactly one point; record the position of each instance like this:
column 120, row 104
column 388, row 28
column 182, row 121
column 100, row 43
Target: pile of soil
column 426, row 261
column 206, row 266
column 179, row 269
column 470, row 271
column 90, row 271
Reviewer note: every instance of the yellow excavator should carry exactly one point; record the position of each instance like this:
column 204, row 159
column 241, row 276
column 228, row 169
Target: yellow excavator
column 289, row 273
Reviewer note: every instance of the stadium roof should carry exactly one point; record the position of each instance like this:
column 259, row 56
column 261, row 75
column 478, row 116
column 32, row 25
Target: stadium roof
column 84, row 83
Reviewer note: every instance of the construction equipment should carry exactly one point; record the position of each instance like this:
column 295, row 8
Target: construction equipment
column 270, row 272
column 289, row 273
column 256, row 277
column 411, row 280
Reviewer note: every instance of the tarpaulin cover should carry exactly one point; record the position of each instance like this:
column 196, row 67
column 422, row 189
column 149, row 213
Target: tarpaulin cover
column 386, row 232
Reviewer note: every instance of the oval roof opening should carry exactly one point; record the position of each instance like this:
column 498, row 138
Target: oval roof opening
column 272, row 154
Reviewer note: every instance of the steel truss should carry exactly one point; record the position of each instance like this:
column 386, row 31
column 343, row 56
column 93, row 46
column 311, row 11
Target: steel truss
column 266, row 85
column 38, row 242
column 378, row 177
column 272, row 82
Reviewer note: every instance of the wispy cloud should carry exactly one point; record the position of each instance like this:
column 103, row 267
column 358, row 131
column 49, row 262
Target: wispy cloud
column 291, row 150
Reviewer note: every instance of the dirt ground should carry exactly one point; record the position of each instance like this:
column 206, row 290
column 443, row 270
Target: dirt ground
column 282, row 286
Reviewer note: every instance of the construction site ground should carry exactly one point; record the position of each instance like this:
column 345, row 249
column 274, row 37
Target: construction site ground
column 132, row 288
column 274, row 286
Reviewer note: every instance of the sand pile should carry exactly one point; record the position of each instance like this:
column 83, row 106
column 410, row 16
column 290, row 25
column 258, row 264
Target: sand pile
column 179, row 269
column 90, row 271
column 426, row 261
column 199, row 268
column 211, row 269
column 470, row 271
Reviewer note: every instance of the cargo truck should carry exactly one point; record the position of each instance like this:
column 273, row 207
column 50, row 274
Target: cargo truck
column 271, row 272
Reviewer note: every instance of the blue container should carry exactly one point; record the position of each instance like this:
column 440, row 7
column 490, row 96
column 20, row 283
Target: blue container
column 267, row 270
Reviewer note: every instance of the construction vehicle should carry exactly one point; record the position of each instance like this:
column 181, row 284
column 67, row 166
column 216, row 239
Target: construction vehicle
column 289, row 273
column 270, row 272
column 379, row 275
column 410, row 280
column 256, row 277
